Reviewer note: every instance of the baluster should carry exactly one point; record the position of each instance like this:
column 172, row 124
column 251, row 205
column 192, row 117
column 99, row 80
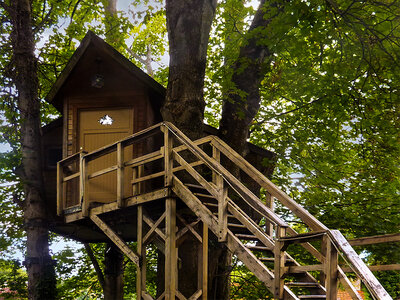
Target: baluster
column 60, row 189
column 279, row 263
column 120, row 174
column 84, row 186
column 269, row 202
column 218, row 180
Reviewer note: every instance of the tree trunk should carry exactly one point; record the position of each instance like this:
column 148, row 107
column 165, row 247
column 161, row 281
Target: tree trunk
column 242, row 104
column 40, row 266
column 113, row 273
column 188, row 24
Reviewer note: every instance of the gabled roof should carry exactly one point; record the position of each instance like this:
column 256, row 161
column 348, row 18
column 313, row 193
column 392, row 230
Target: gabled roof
column 92, row 39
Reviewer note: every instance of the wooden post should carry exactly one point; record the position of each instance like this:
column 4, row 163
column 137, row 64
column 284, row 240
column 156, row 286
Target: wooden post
column 269, row 227
column 170, row 250
column 170, row 222
column 84, row 189
column 141, row 251
column 279, row 263
column 324, row 242
column 60, row 189
column 222, row 200
column 331, row 271
column 120, row 174
column 205, row 262
column 135, row 185
column 168, row 162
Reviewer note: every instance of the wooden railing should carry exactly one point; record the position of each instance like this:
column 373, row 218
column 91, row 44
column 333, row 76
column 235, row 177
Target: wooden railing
column 334, row 243
column 176, row 158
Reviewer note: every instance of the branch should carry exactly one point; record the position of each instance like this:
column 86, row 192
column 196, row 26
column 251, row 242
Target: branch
column 44, row 20
column 96, row 266
column 74, row 10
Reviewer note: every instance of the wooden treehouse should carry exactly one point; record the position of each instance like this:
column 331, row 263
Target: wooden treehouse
column 116, row 172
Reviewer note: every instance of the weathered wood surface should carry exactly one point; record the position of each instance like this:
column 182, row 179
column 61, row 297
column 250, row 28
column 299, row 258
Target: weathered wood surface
column 301, row 269
column 264, row 182
column 331, row 271
column 377, row 239
column 70, row 177
column 153, row 229
column 244, row 192
column 310, row 248
column 233, row 243
column 348, row 286
column 375, row 268
column 358, row 266
column 116, row 239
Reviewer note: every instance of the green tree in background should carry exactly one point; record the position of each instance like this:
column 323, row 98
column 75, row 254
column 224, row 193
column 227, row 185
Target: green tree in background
column 317, row 82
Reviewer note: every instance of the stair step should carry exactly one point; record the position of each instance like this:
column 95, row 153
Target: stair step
column 246, row 236
column 302, row 284
column 210, row 204
column 271, row 259
column 195, row 186
column 312, row 297
column 204, row 195
column 229, row 216
column 258, row 248
column 236, row 225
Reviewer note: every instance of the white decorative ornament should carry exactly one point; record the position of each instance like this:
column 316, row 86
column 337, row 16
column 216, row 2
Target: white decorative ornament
column 106, row 120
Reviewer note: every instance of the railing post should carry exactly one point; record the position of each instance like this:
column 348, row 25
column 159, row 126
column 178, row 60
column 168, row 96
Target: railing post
column 84, row 185
column 170, row 250
column 331, row 270
column 170, row 222
column 168, row 162
column 279, row 263
column 222, row 199
column 60, row 189
column 141, row 251
column 269, row 202
column 120, row 174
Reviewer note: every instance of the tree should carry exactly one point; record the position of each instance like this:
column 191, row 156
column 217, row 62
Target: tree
column 40, row 266
column 323, row 96
column 317, row 67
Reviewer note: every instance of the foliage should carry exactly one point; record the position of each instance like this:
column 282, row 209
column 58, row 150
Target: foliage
column 330, row 111
column 13, row 280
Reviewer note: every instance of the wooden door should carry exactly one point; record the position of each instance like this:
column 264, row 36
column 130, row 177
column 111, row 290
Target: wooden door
column 98, row 128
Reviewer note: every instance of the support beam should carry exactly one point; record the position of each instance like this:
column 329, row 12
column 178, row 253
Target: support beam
column 116, row 239
column 331, row 271
column 205, row 262
column 376, row 239
column 170, row 250
column 141, row 251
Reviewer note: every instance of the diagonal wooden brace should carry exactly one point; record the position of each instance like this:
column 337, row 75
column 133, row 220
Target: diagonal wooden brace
column 116, row 239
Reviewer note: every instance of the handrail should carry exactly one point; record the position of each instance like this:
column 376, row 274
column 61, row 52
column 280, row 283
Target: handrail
column 358, row 266
column 264, row 182
column 244, row 192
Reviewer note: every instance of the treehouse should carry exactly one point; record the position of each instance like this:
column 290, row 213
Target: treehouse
column 114, row 171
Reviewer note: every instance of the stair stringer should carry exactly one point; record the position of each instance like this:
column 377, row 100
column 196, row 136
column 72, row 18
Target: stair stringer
column 233, row 243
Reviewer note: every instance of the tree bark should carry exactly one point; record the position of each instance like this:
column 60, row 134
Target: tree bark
column 188, row 24
column 40, row 266
column 113, row 273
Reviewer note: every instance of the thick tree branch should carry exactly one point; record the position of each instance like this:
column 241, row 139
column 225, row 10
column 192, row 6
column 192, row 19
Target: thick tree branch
column 95, row 264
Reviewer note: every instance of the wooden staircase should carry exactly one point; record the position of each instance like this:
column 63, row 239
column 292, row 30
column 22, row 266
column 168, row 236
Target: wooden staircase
column 194, row 173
